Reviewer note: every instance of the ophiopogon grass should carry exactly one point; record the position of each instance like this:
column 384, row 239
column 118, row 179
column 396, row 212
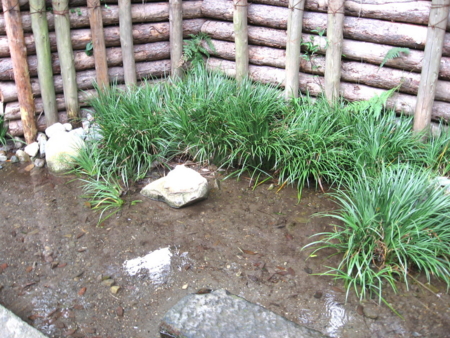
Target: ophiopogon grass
column 390, row 227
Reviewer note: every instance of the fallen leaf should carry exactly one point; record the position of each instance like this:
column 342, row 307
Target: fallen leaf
column 114, row 289
column 29, row 269
column 82, row 291
column 336, row 289
column 29, row 284
column 69, row 332
column 78, row 307
column 203, row 291
column 291, row 271
column 119, row 311
column 4, row 266
column 281, row 268
column 289, row 237
column 29, row 167
column 33, row 317
column 282, row 273
column 249, row 252
column 81, row 234
column 87, row 204
column 62, row 265
column 360, row 310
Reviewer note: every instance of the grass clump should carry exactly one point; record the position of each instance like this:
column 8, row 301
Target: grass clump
column 2, row 131
column 389, row 227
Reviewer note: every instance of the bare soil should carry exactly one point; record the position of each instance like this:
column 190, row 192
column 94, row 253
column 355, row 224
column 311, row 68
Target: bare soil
column 54, row 261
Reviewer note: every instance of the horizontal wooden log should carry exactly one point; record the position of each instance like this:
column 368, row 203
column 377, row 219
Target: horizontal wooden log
column 353, row 72
column 353, row 50
column 142, row 33
column 147, row 52
column 361, row 29
column 12, row 109
column 85, row 79
column 15, row 127
column 140, row 13
column 415, row 12
column 314, row 84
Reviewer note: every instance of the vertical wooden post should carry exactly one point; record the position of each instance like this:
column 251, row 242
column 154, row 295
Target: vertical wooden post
column 176, row 38
column 45, row 72
column 65, row 54
column 18, row 52
column 98, row 42
column 126, row 42
column 335, row 35
column 241, row 38
column 294, row 37
column 431, row 62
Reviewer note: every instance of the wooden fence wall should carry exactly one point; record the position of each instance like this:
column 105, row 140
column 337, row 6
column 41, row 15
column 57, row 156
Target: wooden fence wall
column 371, row 29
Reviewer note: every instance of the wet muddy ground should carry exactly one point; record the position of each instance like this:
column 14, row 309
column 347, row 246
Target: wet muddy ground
column 57, row 268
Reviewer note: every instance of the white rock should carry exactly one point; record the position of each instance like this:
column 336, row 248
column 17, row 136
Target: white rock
column 60, row 149
column 42, row 140
column 68, row 126
column 32, row 149
column 55, row 129
column 181, row 187
column 39, row 162
column 79, row 132
column 22, row 156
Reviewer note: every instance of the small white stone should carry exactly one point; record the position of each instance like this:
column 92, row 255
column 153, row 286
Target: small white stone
column 22, row 156
column 32, row 149
column 79, row 132
column 41, row 136
column 67, row 126
column 55, row 129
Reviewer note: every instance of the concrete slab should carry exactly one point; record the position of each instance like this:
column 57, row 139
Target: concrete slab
column 12, row 326
column 220, row 314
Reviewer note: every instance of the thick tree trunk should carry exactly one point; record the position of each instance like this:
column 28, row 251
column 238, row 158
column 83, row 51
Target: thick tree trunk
column 335, row 27
column 65, row 53
column 433, row 52
column 126, row 42
column 84, row 79
column 143, row 33
column 44, row 58
column 362, row 29
column 176, row 38
column 147, row 52
column 19, row 58
column 354, row 50
column 314, row 85
column 140, row 13
column 294, row 36
column 98, row 43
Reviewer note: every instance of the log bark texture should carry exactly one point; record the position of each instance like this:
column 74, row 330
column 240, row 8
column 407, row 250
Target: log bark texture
column 143, row 33
column 85, row 79
column 361, row 29
column 146, row 52
column 44, row 64
column 98, row 43
column 240, row 10
column 140, row 13
column 126, row 42
column 433, row 52
column 315, row 84
column 354, row 50
column 176, row 38
column 293, row 42
column 19, row 58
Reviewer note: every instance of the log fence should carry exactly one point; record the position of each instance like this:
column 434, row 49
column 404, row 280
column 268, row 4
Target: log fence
column 343, row 45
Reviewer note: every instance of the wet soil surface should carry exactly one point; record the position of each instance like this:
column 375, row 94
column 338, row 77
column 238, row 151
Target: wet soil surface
column 57, row 267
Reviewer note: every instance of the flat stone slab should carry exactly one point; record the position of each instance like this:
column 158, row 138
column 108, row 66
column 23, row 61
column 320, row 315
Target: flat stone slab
column 12, row 326
column 220, row 314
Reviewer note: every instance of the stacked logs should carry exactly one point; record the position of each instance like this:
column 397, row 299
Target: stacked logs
column 371, row 29
column 151, row 49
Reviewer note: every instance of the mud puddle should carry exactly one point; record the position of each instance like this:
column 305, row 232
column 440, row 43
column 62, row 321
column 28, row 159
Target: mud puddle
column 69, row 278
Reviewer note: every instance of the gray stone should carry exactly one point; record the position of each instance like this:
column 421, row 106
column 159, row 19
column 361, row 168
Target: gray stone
column 14, row 159
column 22, row 156
column 371, row 311
column 55, row 129
column 221, row 314
column 39, row 162
column 181, row 187
column 12, row 326
column 79, row 132
column 19, row 142
column 60, row 150
column 32, row 149
column 42, row 140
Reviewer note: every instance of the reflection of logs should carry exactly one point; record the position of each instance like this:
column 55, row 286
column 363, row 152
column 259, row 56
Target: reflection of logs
column 354, row 50
column 142, row 33
column 147, row 52
column 314, row 85
column 362, row 29
column 85, row 79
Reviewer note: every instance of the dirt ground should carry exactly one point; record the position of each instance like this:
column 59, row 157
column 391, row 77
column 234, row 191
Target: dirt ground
column 57, row 267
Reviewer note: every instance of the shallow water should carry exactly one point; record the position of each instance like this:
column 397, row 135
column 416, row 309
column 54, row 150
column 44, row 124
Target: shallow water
column 246, row 241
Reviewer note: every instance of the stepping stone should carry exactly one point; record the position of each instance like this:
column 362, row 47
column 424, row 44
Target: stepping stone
column 12, row 326
column 221, row 314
